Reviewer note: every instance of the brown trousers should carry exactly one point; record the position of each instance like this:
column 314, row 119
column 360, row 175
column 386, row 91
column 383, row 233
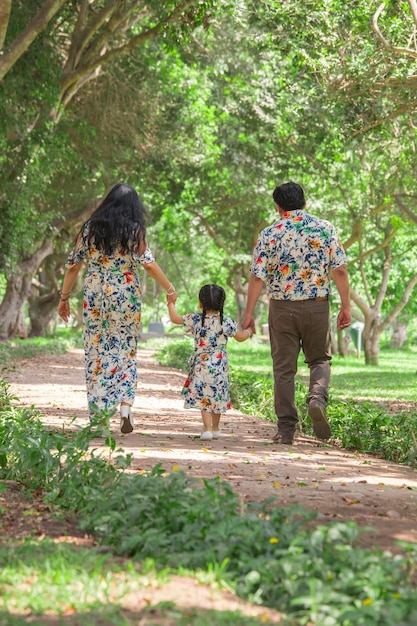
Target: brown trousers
column 294, row 326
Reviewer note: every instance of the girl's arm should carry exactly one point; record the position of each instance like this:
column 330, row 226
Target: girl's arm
column 242, row 335
column 173, row 315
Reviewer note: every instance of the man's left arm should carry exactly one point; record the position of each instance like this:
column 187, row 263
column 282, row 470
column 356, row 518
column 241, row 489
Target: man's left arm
column 254, row 291
column 341, row 279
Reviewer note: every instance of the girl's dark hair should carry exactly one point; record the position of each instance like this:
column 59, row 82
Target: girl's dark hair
column 119, row 220
column 212, row 297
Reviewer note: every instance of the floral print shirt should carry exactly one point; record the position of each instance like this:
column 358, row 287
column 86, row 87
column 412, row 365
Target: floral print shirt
column 295, row 255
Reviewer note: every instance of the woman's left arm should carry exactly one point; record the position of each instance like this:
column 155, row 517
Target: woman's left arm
column 157, row 274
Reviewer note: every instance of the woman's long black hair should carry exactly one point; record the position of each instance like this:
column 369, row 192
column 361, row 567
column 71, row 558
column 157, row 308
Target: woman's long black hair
column 118, row 221
column 212, row 298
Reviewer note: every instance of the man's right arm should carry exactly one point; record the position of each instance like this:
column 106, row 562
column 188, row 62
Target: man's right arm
column 254, row 291
column 341, row 279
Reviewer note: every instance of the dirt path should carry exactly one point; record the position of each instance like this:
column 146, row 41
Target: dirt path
column 338, row 484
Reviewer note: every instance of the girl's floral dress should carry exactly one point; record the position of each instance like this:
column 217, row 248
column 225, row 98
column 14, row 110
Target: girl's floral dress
column 207, row 385
column 111, row 322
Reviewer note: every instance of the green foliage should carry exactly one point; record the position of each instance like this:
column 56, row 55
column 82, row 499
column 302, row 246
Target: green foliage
column 252, row 393
column 176, row 353
column 17, row 349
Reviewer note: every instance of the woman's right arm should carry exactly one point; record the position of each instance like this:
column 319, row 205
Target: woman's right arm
column 69, row 280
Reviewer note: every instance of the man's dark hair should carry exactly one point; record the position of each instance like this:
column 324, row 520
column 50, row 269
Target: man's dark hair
column 289, row 196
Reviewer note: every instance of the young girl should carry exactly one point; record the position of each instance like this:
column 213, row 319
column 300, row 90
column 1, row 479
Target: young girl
column 207, row 385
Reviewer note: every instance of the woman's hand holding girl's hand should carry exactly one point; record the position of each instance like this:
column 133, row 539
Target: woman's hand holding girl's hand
column 172, row 297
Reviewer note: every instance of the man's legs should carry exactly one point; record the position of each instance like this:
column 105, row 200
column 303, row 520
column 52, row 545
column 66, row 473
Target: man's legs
column 285, row 347
column 316, row 347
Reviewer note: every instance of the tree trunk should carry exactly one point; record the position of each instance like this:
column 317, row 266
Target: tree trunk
column 42, row 313
column 44, row 297
column 371, row 345
column 23, row 41
column 399, row 335
column 18, row 289
column 342, row 343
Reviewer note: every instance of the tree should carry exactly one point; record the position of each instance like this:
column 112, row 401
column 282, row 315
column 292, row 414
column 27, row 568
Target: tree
column 48, row 61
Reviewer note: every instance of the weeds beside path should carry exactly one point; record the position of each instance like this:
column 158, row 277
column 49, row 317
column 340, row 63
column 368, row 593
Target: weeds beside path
column 339, row 484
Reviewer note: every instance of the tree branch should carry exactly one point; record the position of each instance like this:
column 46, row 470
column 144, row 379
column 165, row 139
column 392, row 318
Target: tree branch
column 73, row 79
column 5, row 8
column 404, row 208
column 29, row 34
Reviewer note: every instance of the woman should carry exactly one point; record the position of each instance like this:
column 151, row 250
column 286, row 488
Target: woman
column 113, row 243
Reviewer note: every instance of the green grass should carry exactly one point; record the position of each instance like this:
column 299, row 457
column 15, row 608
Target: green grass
column 395, row 378
column 17, row 349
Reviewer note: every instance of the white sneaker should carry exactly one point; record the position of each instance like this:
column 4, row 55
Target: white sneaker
column 216, row 434
column 126, row 419
column 207, row 434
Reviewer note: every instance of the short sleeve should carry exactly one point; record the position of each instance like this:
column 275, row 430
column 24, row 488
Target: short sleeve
column 229, row 327
column 190, row 321
column 337, row 253
column 146, row 257
column 80, row 250
column 259, row 259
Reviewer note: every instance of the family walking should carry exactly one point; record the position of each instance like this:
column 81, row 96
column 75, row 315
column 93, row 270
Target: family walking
column 294, row 259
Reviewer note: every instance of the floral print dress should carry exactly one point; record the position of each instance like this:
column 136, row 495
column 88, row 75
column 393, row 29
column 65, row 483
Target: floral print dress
column 207, row 385
column 111, row 322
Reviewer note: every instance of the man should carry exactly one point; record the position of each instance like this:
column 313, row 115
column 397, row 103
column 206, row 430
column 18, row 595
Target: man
column 294, row 258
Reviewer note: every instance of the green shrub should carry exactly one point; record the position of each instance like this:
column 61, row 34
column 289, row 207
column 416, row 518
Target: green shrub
column 176, row 353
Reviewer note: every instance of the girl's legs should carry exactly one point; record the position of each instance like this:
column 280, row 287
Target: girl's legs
column 207, row 418
column 210, row 425
column 215, row 423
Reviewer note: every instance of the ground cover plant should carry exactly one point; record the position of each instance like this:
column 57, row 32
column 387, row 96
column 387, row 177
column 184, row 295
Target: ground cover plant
column 167, row 523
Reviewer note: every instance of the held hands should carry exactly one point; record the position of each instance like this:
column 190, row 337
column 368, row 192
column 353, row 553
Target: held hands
column 171, row 295
column 249, row 324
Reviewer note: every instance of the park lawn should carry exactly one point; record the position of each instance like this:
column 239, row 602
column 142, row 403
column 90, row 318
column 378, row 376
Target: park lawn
column 395, row 378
